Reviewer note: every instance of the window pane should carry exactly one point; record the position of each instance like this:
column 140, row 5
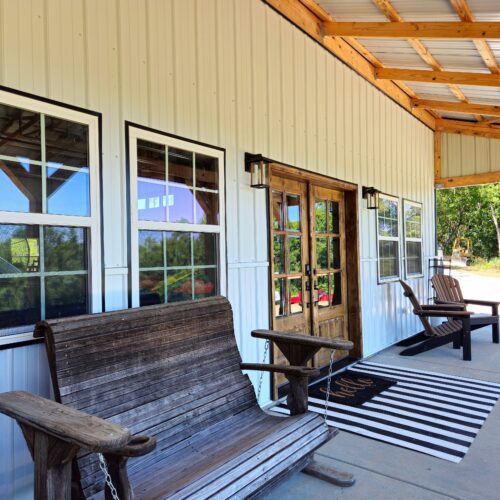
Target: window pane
column 207, row 208
column 333, row 218
column 413, row 221
column 388, row 218
column 65, row 248
column 279, row 297
column 19, row 133
column 294, row 255
column 179, row 285
column 19, row 301
column 277, row 210
column 389, row 259
column 207, row 172
column 150, row 160
column 295, row 290
column 151, row 288
column 19, row 249
column 178, row 249
column 150, row 249
column 293, row 212
column 68, row 191
column 321, row 253
column 20, row 187
column 65, row 296
column 279, row 257
column 66, row 142
column 336, row 288
column 205, row 283
column 320, row 216
column 335, row 253
column 180, row 166
column 414, row 257
column 180, row 204
column 323, row 291
column 204, row 249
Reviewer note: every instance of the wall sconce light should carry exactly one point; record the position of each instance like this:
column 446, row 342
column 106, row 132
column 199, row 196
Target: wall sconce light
column 371, row 195
column 258, row 166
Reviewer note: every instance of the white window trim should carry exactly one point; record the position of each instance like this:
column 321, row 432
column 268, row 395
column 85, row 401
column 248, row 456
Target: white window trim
column 93, row 222
column 389, row 238
column 136, row 225
column 419, row 240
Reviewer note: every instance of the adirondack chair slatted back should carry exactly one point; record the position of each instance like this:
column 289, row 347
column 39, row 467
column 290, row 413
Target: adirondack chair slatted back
column 447, row 288
column 165, row 371
column 408, row 292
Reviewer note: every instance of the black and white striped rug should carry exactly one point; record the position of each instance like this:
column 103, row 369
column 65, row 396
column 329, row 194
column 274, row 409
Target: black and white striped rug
column 424, row 411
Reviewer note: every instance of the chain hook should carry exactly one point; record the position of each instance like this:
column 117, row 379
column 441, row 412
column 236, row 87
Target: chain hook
column 107, row 476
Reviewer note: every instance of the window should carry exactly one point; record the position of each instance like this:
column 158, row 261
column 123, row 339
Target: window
column 177, row 219
column 413, row 238
column 388, row 238
column 50, row 250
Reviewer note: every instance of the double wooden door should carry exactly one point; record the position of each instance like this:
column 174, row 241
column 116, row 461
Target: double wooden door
column 308, row 262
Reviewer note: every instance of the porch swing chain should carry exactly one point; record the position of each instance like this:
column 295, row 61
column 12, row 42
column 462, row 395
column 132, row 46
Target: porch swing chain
column 261, row 379
column 107, row 476
column 328, row 385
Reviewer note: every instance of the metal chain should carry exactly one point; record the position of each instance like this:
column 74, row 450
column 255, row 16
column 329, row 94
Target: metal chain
column 107, row 477
column 328, row 384
column 261, row 379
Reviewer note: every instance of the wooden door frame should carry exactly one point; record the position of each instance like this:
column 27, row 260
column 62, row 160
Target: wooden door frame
column 352, row 246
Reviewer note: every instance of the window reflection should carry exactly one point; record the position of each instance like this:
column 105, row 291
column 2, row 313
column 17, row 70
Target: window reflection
column 205, row 284
column 20, row 187
column 207, row 172
column 321, row 253
column 65, row 249
column 178, row 249
column 68, row 191
column 279, row 297
column 277, row 210
column 19, row 249
column 150, row 249
column 295, row 298
column 180, row 166
column 66, row 142
column 336, row 288
column 294, row 254
column 65, row 296
column 293, row 212
column 204, row 249
column 320, row 216
column 207, row 208
column 323, row 299
column 151, row 288
column 19, row 301
column 179, row 285
column 180, row 204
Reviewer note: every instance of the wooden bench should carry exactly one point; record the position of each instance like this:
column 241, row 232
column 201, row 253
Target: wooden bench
column 171, row 375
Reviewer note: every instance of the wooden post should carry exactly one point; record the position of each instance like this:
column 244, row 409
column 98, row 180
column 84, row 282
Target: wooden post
column 437, row 155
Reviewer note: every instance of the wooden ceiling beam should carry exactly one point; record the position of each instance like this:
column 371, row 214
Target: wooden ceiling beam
column 443, row 77
column 457, row 107
column 467, row 180
column 457, row 30
column 467, row 128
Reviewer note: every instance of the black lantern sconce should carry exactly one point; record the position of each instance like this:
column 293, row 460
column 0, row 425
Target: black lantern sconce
column 371, row 195
column 258, row 166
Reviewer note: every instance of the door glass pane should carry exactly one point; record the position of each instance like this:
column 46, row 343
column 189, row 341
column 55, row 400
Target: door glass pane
column 19, row 133
column 178, row 249
column 321, row 253
column 293, row 212
column 277, row 210
column 204, row 249
column 323, row 300
column 180, row 204
column 294, row 255
column 333, row 218
column 320, row 216
column 180, row 166
column 65, row 296
column 66, row 142
column 65, row 248
column 279, row 256
column 295, row 298
column 279, row 297
column 179, row 285
column 151, row 288
column 334, row 253
column 207, row 207
column 19, row 301
column 20, row 187
column 19, row 249
column 205, row 283
column 207, row 171
column 336, row 288
column 150, row 249
column 68, row 191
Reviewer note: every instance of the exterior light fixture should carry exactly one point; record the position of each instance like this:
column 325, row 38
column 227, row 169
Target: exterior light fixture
column 258, row 166
column 371, row 195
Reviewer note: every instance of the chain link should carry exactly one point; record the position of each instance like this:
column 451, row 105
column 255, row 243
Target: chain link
column 261, row 379
column 328, row 385
column 107, row 477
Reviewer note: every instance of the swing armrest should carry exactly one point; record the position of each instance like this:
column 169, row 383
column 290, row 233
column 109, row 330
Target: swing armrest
column 297, row 371
column 305, row 340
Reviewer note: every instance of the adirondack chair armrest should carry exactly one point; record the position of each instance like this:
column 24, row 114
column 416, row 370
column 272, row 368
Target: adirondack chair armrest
column 297, row 371
column 444, row 314
column 443, row 306
column 487, row 303
column 304, row 340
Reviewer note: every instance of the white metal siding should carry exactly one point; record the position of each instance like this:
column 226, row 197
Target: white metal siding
column 235, row 75
column 469, row 155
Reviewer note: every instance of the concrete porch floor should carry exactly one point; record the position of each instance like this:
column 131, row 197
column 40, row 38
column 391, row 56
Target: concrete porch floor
column 388, row 472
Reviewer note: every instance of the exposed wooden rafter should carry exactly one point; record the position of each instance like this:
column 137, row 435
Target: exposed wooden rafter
column 468, row 180
column 436, row 30
column 467, row 128
column 458, row 107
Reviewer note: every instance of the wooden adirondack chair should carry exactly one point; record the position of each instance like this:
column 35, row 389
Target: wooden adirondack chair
column 448, row 291
column 456, row 329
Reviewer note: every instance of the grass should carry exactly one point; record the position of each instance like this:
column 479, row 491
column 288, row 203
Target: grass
column 484, row 267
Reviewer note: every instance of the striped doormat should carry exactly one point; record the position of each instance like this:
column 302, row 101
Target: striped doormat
column 432, row 413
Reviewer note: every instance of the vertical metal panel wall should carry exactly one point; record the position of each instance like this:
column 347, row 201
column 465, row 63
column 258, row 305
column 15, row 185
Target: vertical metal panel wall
column 231, row 74
column 469, row 155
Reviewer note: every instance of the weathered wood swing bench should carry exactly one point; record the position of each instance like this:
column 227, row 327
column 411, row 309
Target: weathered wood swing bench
column 172, row 413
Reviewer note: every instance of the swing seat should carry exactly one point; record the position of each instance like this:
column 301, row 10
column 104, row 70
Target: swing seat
column 170, row 376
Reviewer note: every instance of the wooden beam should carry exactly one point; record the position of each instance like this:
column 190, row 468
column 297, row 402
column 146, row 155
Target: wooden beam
column 298, row 14
column 443, row 77
column 437, row 155
column 462, row 9
column 467, row 128
column 457, row 107
column 437, row 30
column 468, row 180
